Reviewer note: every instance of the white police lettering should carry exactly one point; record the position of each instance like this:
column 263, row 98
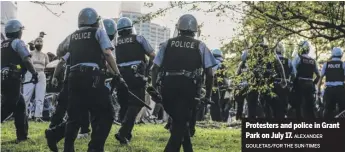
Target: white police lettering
column 125, row 40
column 332, row 66
column 4, row 45
column 81, row 36
column 182, row 44
column 308, row 61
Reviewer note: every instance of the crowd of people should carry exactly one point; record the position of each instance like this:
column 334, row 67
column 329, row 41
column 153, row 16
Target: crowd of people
column 95, row 75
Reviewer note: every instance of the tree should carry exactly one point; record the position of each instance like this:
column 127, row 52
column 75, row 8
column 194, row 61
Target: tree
column 47, row 4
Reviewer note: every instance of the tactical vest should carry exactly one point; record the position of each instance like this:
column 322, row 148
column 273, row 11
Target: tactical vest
column 182, row 53
column 85, row 48
column 334, row 71
column 129, row 49
column 287, row 69
column 306, row 68
column 9, row 55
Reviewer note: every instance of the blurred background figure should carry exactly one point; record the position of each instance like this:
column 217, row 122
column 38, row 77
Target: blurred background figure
column 40, row 60
column 42, row 34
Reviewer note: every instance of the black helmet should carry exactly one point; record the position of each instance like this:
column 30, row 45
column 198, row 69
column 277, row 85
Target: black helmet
column 124, row 23
column 88, row 17
column 187, row 22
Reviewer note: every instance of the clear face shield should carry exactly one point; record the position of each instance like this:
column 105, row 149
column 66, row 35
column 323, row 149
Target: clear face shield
column 177, row 33
column 298, row 51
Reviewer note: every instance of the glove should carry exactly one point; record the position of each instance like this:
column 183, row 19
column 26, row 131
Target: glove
column 55, row 82
column 155, row 96
column 207, row 100
column 118, row 82
column 34, row 78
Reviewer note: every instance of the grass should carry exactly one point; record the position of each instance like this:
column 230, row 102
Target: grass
column 146, row 138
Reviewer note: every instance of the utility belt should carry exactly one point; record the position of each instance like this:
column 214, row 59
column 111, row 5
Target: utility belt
column 138, row 70
column 97, row 74
column 12, row 71
column 195, row 75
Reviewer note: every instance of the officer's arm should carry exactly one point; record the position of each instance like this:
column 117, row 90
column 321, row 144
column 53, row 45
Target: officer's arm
column 292, row 71
column 147, row 47
column 63, row 47
column 316, row 71
column 281, row 69
column 157, row 63
column 107, row 47
column 208, row 62
column 238, row 72
column 19, row 46
column 59, row 67
column 323, row 70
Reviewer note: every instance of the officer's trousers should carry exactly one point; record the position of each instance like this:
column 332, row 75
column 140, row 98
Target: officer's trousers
column 334, row 95
column 83, row 96
column 130, row 106
column 305, row 99
column 252, row 100
column 217, row 109
column 12, row 101
column 239, row 98
column 40, row 91
column 60, row 113
column 274, row 105
column 178, row 94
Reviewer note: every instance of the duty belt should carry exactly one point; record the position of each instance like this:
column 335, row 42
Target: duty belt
column 7, row 72
column 83, row 68
column 185, row 73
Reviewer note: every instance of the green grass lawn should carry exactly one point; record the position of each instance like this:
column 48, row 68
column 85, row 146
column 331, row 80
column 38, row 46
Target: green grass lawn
column 146, row 138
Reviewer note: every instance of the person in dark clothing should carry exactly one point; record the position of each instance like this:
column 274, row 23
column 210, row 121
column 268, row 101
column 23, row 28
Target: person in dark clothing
column 15, row 61
column 334, row 71
column 131, row 51
column 304, row 83
column 182, row 59
column 90, row 50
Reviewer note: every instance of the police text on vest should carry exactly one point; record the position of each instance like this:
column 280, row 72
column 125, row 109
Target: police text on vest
column 125, row 40
column 183, row 44
column 81, row 36
column 332, row 66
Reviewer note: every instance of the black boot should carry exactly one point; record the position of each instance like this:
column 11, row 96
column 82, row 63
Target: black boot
column 51, row 141
column 121, row 139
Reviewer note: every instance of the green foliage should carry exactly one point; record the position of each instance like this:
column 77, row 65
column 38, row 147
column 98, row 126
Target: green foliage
column 321, row 22
column 146, row 138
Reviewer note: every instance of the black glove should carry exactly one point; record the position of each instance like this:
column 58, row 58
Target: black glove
column 118, row 82
column 155, row 96
column 34, row 78
column 207, row 100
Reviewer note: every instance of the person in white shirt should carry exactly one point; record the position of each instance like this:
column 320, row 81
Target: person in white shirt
column 40, row 60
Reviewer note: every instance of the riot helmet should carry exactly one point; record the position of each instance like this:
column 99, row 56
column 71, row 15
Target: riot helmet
column 217, row 53
column 186, row 25
column 337, row 52
column 88, row 17
column 110, row 28
column 125, row 26
column 280, row 49
column 13, row 29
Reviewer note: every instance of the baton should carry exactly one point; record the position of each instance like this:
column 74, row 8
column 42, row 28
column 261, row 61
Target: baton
column 142, row 102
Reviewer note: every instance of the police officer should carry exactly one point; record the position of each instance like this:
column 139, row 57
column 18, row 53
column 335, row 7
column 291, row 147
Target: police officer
column 57, row 128
column 241, row 89
column 15, row 60
column 130, row 54
column 182, row 59
column 262, row 72
column 334, row 70
column 90, row 48
column 280, row 101
column 306, row 67
column 217, row 110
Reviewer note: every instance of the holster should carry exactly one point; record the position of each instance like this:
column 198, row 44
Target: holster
column 11, row 72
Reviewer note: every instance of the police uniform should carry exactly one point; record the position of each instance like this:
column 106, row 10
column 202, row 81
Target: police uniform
column 305, row 67
column 87, row 91
column 281, row 99
column 60, row 112
column 13, row 51
column 180, row 58
column 240, row 92
column 131, row 51
column 334, row 70
column 217, row 110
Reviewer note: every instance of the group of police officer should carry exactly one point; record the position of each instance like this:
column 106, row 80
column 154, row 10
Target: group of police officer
column 294, row 83
column 177, row 74
column 88, row 59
